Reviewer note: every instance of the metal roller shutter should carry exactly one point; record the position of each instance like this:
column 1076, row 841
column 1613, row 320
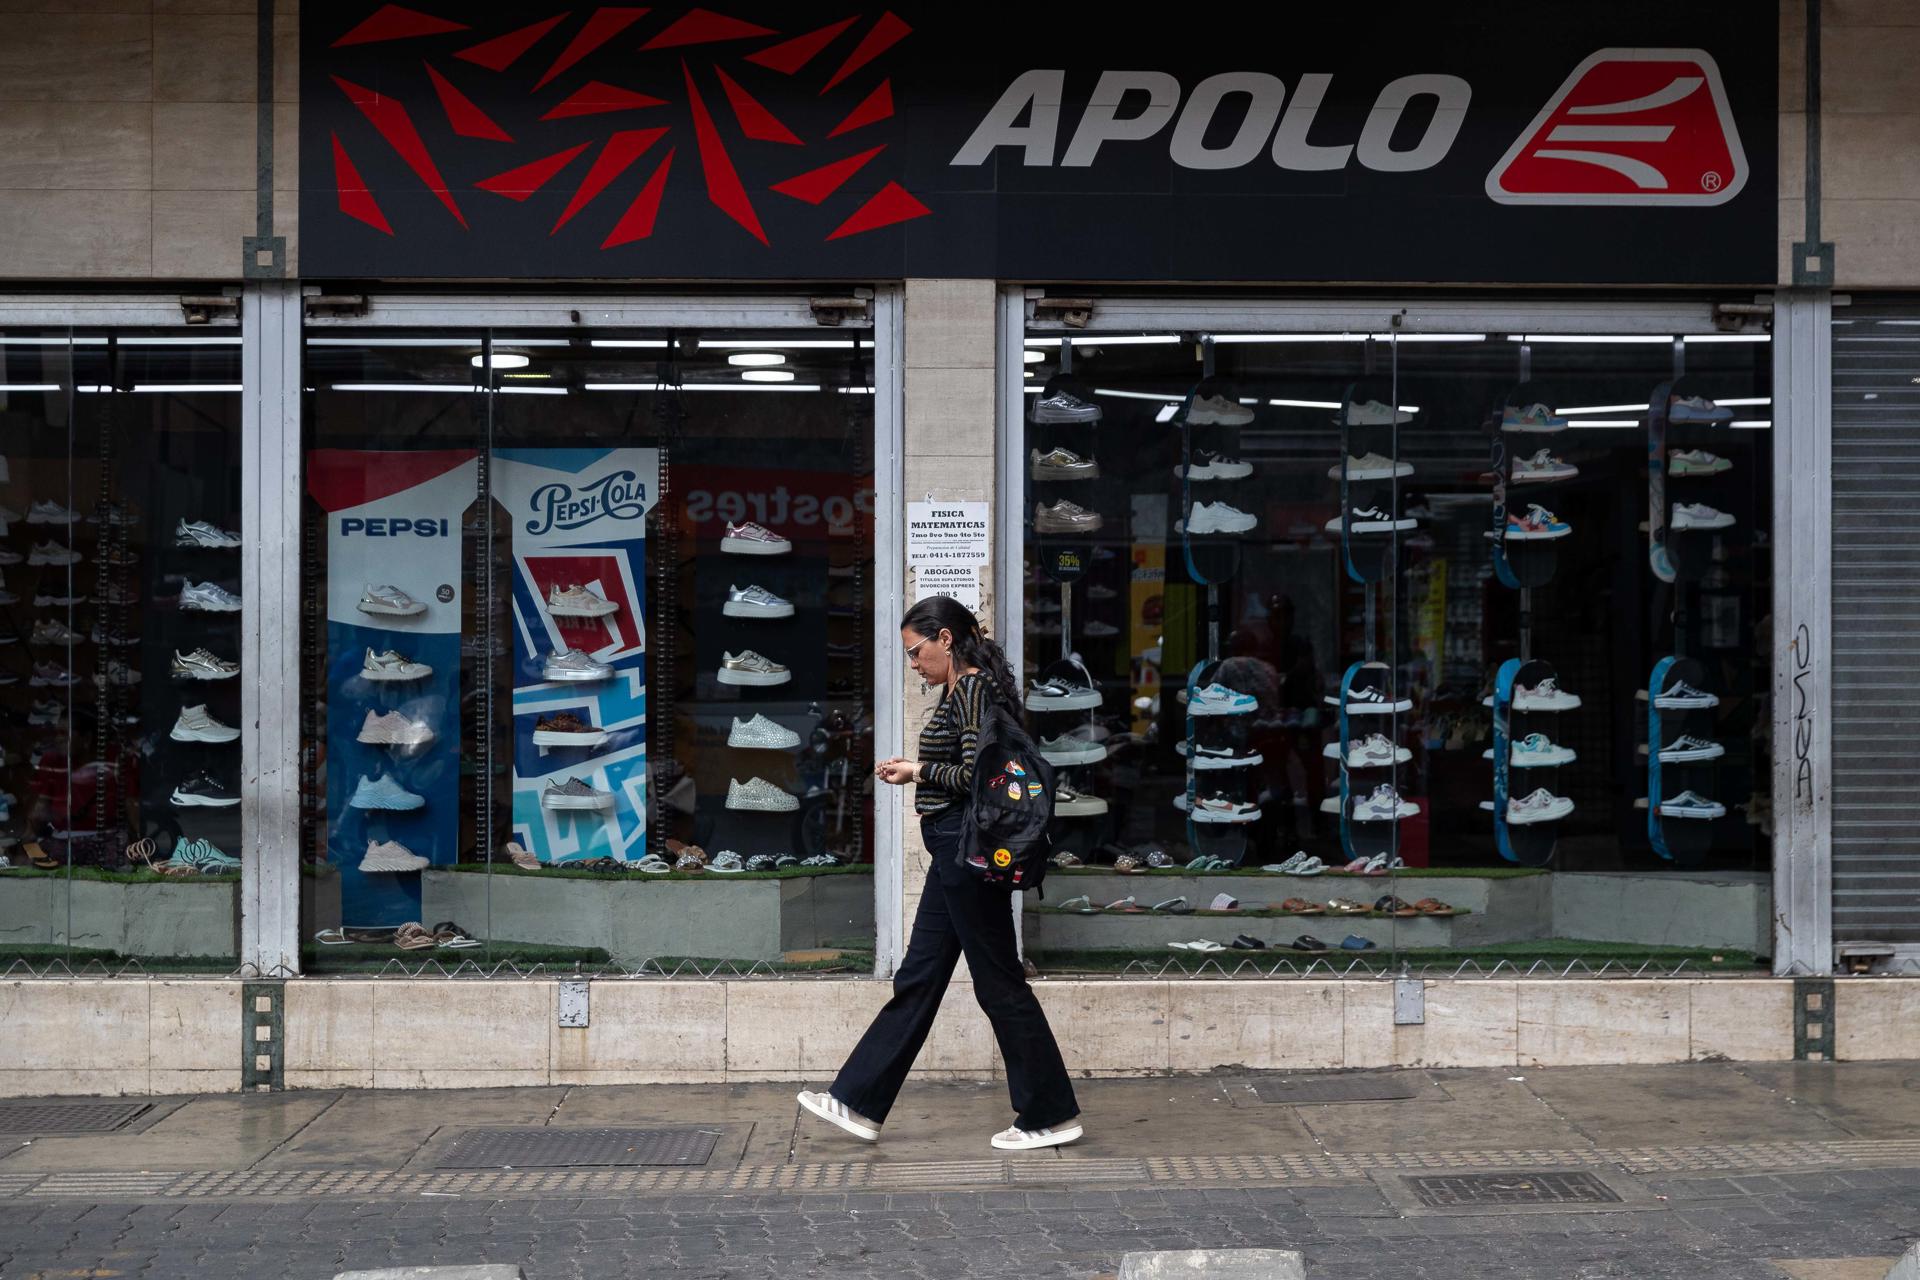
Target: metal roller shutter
column 1876, row 619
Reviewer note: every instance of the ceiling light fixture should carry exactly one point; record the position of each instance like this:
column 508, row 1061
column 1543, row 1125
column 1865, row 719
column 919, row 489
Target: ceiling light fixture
column 755, row 359
column 767, row 375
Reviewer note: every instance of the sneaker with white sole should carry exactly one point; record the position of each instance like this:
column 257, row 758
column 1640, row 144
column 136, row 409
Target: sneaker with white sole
column 203, row 791
column 1369, row 520
column 1543, row 465
column 1059, row 693
column 1698, row 410
column 578, row 602
column 53, row 631
column 199, row 533
column 565, row 729
column 1695, row 462
column 1062, row 406
column 1068, row 803
column 390, row 856
column 384, row 793
column 1218, row 411
column 50, row 512
column 1061, row 464
column 1541, row 806
column 750, row 539
column 761, row 734
column 1691, row 804
column 759, row 795
column 1681, row 696
column 52, row 553
column 1371, row 413
column 835, row 1112
column 1537, row 751
column 388, row 601
column 571, row 664
column 392, row 665
column 1384, row 805
column 207, row 597
column 1218, row 700
column 202, row 664
column 195, row 725
column 1532, row 417
column 1698, row 515
column 1208, row 465
column 1215, row 517
column 575, row 794
column 1371, row 466
column 1018, row 1139
column 750, row 668
column 394, row 729
column 1065, row 517
column 752, row 601
column 1071, row 748
column 1686, row 747
column 1545, row 696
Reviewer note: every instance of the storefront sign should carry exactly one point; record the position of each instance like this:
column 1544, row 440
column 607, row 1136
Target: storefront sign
column 949, row 533
column 960, row 581
column 1633, row 142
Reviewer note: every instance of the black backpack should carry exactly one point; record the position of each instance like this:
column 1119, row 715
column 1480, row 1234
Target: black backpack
column 1003, row 841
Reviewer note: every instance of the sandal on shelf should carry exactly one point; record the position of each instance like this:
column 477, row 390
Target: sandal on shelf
column 1388, row 905
column 1161, row 860
column 1346, row 907
column 1247, row 942
column 654, row 865
column 39, row 857
column 1082, row 905
column 1204, row 945
column 1434, row 907
column 449, row 936
column 1354, row 942
column 141, row 851
column 1127, row 865
column 1301, row 907
column 1066, row 860
column 331, row 937
column 1310, row 944
column 412, row 936
column 1125, row 906
column 678, row 850
column 1172, row 907
column 727, row 862
column 522, row 857
column 369, row 935
column 690, row 861
column 1224, row 902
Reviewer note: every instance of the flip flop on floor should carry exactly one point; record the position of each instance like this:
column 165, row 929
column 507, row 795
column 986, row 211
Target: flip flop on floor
column 1310, row 944
column 1434, row 907
column 331, row 937
column 1224, row 902
column 1172, row 907
column 1247, row 942
column 1346, row 907
column 1301, row 907
column 1203, row 945
column 1082, row 905
column 1388, row 905
column 413, row 936
column 1125, row 906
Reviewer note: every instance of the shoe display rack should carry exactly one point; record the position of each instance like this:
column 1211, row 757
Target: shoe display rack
column 1221, row 798
column 1682, row 754
column 1367, row 753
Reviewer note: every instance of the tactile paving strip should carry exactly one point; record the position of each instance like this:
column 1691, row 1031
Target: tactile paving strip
column 1036, row 1170
column 565, row 1147
column 68, row 1117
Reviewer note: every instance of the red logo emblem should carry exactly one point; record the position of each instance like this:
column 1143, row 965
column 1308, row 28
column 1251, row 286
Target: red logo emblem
column 1629, row 127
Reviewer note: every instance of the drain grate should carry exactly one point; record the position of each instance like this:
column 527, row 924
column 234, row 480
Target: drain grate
column 1298, row 1091
column 1457, row 1190
column 68, row 1117
column 558, row 1148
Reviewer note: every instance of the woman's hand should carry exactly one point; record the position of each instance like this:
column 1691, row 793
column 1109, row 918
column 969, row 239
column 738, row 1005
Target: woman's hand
column 896, row 770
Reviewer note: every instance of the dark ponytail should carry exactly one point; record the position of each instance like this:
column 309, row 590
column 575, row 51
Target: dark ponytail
column 970, row 644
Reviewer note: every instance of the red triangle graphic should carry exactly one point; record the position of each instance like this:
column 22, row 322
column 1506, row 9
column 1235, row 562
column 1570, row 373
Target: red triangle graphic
column 816, row 185
column 723, row 183
column 390, row 117
column 701, row 26
column 789, row 56
column 468, row 120
column 340, row 478
column 603, row 26
column 893, row 203
column 518, row 184
column 356, row 201
column 878, row 106
column 396, row 22
column 755, row 120
column 500, row 52
column 594, row 98
column 886, row 33
column 637, row 222
column 622, row 150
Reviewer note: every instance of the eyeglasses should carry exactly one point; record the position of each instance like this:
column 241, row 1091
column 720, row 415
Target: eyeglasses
column 915, row 648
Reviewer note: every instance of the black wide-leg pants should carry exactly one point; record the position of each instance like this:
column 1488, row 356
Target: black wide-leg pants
column 959, row 916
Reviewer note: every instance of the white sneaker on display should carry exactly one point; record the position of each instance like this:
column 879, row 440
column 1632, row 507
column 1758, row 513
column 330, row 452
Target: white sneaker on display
column 1218, row 411
column 750, row 539
column 1215, row 517
column 578, row 602
column 391, row 665
column 759, row 794
column 389, row 601
column 394, row 729
column 390, row 856
column 761, row 734
column 195, row 725
column 571, row 664
column 753, row 601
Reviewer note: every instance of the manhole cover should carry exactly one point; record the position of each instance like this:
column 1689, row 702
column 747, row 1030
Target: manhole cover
column 68, row 1117
column 1309, row 1090
column 563, row 1148
column 1455, row 1190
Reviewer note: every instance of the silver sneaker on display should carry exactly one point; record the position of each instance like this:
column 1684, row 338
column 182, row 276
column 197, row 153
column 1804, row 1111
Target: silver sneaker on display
column 761, row 734
column 388, row 601
column 571, row 664
column 750, row 539
column 195, row 725
column 1062, row 407
column 753, row 601
column 206, row 597
column 759, row 794
column 749, row 668
column 575, row 794
column 394, row 729
column 199, row 533
column 391, row 665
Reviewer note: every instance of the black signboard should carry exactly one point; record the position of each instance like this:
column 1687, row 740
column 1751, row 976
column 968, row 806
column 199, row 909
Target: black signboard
column 1500, row 141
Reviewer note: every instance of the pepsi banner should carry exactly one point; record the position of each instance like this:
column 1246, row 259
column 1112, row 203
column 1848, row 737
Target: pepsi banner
column 393, row 669
column 1627, row 143
column 579, row 526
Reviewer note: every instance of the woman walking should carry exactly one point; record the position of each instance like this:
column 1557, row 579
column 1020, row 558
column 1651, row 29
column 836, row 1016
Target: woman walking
column 958, row 914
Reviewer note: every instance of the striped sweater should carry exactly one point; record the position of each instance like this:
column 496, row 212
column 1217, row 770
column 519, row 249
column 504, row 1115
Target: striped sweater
column 949, row 742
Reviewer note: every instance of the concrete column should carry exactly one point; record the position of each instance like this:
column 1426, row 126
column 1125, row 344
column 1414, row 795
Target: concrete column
column 949, row 456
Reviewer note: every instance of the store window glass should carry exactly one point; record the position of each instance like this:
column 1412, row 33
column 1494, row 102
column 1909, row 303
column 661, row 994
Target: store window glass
column 1305, row 614
column 588, row 671
column 120, row 822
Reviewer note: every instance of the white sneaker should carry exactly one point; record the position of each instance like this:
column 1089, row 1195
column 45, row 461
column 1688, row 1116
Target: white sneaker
column 393, row 729
column 1545, row 696
column 749, row 668
column 199, row 533
column 206, row 597
column 1384, row 805
column 1373, row 751
column 1691, row 804
column 1698, row 515
column 1072, row 747
column 52, row 553
column 1695, row 462
column 1371, row 413
column 389, row 601
column 1544, row 466
column 1218, row 700
column 1541, row 806
column 1218, row 411
column 578, row 602
column 834, row 1112
column 195, row 725
column 1687, row 747
column 761, row 734
column 1681, row 696
column 389, row 856
column 1371, row 466
column 1017, row 1139
column 571, row 664
column 391, row 665
column 50, row 513
column 755, row 602
column 1208, row 465
column 202, row 664
column 1215, row 517
column 750, row 539
column 1537, row 751
column 759, row 794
